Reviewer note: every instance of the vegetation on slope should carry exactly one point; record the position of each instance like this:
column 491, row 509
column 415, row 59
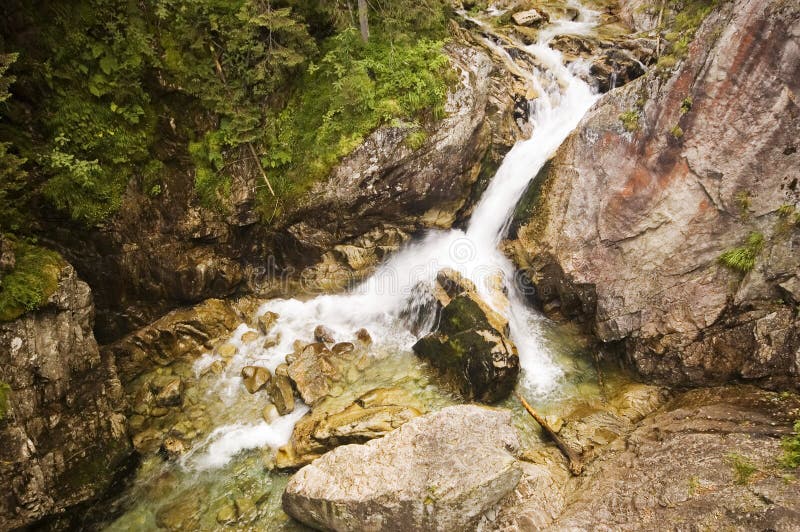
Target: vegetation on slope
column 32, row 281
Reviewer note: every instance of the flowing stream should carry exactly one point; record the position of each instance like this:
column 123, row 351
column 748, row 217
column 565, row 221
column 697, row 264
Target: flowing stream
column 384, row 303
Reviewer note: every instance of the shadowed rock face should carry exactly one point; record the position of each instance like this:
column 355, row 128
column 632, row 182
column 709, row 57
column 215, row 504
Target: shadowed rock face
column 436, row 472
column 64, row 436
column 626, row 226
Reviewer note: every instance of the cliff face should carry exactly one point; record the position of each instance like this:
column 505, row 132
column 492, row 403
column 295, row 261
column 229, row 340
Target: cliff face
column 63, row 433
column 627, row 224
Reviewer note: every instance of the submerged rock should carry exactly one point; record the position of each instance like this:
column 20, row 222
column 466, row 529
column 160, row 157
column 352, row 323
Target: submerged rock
column 470, row 344
column 441, row 471
column 372, row 415
column 266, row 321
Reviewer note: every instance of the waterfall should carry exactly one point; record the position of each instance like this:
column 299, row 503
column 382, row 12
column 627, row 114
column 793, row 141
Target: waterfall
column 401, row 285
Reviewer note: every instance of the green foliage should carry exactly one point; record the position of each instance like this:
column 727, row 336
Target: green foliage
column 686, row 105
column 33, row 279
column 5, row 399
column 13, row 177
column 354, row 88
column 681, row 20
column 742, row 200
column 743, row 259
column 416, row 139
column 791, row 448
column 630, row 120
column 676, row 131
column 743, row 468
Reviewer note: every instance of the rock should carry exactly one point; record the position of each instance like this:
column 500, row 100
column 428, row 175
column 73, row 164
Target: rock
column 267, row 321
column 531, row 17
column 470, row 344
column 676, row 203
column 281, row 394
column 255, row 378
column 324, row 335
column 183, row 513
column 249, row 336
column 227, row 350
column 615, row 68
column 270, row 413
column 372, row 415
column 343, row 349
column 172, row 448
column 272, row 341
column 282, row 369
column 244, row 506
column 315, row 371
column 791, row 288
column 441, row 471
column 226, row 515
column 168, row 391
column 363, row 336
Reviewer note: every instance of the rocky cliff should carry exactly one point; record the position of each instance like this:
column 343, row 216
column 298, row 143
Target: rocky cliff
column 669, row 221
column 63, row 433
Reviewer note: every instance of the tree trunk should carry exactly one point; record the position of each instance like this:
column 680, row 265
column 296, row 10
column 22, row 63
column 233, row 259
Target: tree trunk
column 362, row 19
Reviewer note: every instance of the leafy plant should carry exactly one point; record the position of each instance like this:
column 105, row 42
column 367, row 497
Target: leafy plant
column 743, row 259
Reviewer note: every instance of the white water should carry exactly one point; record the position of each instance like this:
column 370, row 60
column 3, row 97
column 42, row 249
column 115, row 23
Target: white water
column 401, row 286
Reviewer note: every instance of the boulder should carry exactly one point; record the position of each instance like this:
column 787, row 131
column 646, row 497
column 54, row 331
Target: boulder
column 317, row 369
column 266, row 322
column 324, row 334
column 470, row 344
column 167, row 391
column 255, row 378
column 530, row 17
column 441, row 471
column 281, row 394
column 372, row 415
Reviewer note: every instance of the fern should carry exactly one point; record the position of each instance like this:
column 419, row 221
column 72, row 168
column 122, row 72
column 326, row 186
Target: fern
column 743, row 259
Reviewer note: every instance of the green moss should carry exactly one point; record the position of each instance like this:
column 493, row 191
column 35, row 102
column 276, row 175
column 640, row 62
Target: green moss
column 682, row 18
column 630, row 120
column 742, row 200
column 676, row 131
column 5, row 398
column 743, row 259
column 686, row 105
column 416, row 139
column 791, row 448
column 31, row 282
column 743, row 468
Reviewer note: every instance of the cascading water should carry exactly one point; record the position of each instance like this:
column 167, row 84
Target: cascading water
column 401, row 286
column 390, row 305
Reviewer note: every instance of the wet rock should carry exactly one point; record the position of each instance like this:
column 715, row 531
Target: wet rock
column 255, row 378
column 272, row 341
column 168, row 391
column 282, row 370
column 267, row 321
column 183, row 513
column 244, row 506
column 270, row 413
column 615, row 68
column 363, row 336
column 148, row 441
column 343, row 349
column 470, row 345
column 249, row 336
column 411, row 479
column 226, row 515
column 530, row 17
column 172, row 448
column 315, row 371
column 372, row 415
column 281, row 394
column 227, row 350
column 324, row 334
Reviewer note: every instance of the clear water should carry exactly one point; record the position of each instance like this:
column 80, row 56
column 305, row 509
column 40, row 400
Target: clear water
column 231, row 456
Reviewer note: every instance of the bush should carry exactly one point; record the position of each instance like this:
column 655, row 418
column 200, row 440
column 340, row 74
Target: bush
column 32, row 281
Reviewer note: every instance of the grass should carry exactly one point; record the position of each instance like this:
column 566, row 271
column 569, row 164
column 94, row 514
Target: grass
column 5, row 397
column 743, row 468
column 630, row 120
column 742, row 200
column 32, row 281
column 743, row 259
column 791, row 448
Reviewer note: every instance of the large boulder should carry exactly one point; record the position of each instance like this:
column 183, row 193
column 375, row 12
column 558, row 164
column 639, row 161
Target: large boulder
column 627, row 227
column 441, row 471
column 470, row 344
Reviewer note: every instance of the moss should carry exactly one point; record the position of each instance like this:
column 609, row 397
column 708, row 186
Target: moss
column 743, row 259
column 743, row 468
column 677, row 131
column 791, row 448
column 630, row 120
column 32, row 281
column 416, row 139
column 742, row 200
column 682, row 18
column 686, row 105
column 5, row 399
